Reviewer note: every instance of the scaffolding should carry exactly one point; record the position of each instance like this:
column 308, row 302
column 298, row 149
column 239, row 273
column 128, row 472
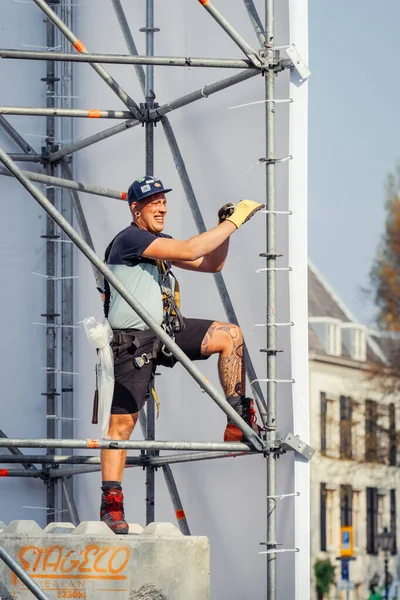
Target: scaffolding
column 267, row 62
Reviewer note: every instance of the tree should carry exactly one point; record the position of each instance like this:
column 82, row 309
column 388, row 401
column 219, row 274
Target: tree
column 324, row 572
column 385, row 272
column 385, row 283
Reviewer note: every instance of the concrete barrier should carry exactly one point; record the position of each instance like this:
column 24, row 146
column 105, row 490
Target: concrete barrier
column 90, row 562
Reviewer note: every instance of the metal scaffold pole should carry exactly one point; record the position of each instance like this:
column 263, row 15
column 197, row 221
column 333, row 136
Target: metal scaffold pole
column 149, row 170
column 69, row 510
column 51, row 393
column 271, row 298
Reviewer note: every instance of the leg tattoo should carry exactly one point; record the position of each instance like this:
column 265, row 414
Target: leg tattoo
column 227, row 340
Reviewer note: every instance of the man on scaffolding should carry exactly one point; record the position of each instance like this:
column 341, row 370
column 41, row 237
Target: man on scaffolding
column 141, row 256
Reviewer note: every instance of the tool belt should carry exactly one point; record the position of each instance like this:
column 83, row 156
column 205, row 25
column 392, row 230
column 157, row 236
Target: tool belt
column 122, row 340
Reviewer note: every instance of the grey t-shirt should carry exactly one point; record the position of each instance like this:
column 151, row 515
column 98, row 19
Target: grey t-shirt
column 138, row 274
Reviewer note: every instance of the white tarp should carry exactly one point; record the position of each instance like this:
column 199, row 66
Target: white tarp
column 226, row 499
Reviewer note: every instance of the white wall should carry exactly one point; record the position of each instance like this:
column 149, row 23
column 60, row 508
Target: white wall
column 224, row 500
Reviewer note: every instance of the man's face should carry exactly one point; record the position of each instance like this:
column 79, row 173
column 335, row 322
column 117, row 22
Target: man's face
column 151, row 211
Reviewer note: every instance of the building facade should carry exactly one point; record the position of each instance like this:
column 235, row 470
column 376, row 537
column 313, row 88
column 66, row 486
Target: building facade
column 355, row 479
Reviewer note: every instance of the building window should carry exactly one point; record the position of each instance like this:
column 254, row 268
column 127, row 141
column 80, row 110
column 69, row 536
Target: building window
column 323, row 423
column 357, row 431
column 359, row 345
column 346, row 413
column 382, row 512
column 371, row 431
column 346, row 505
column 372, row 521
column 323, row 495
column 356, row 508
column 331, row 447
column 329, row 333
column 354, row 340
column 332, row 523
column 329, row 525
column 333, row 339
column 392, row 436
column 327, row 423
column 393, row 520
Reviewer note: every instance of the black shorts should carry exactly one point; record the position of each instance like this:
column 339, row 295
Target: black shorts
column 132, row 385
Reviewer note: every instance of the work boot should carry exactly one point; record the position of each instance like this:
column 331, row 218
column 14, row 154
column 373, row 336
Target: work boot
column 112, row 510
column 245, row 409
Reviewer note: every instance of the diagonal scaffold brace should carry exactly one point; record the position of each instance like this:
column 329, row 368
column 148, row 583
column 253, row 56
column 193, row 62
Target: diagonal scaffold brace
column 248, row 432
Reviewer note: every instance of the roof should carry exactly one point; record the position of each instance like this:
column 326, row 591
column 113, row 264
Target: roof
column 324, row 302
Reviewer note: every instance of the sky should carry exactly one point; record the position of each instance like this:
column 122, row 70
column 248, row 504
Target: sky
column 354, row 141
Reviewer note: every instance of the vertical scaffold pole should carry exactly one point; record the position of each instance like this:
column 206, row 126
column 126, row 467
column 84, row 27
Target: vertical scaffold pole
column 271, row 298
column 69, row 511
column 51, row 387
column 149, row 132
column 149, row 89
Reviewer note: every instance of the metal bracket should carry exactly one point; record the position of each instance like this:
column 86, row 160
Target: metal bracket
column 293, row 442
column 297, row 62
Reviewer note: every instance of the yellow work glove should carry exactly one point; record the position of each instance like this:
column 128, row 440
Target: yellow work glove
column 225, row 211
column 244, row 211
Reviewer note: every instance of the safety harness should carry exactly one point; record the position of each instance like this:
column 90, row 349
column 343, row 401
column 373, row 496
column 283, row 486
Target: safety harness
column 173, row 323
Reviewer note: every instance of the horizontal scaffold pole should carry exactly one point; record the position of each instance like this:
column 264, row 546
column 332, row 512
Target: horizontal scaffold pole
column 191, row 368
column 68, row 184
column 122, row 59
column 36, row 158
column 91, row 113
column 157, row 461
column 125, row 445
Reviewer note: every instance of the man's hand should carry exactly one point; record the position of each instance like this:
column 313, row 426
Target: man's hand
column 244, row 211
column 225, row 211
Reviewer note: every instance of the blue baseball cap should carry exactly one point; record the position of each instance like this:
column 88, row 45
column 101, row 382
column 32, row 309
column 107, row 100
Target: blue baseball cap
column 145, row 187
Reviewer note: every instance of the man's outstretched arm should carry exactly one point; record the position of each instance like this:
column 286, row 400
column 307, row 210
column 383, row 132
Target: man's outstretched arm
column 190, row 250
column 207, row 251
column 211, row 263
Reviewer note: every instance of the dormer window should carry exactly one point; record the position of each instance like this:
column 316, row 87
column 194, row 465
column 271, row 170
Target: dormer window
column 354, row 339
column 329, row 333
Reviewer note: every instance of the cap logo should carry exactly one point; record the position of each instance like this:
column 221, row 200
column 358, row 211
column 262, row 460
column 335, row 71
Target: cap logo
column 157, row 185
column 145, row 188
